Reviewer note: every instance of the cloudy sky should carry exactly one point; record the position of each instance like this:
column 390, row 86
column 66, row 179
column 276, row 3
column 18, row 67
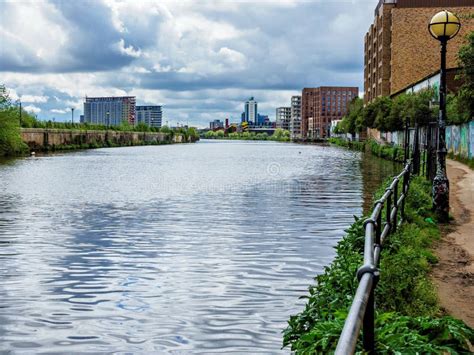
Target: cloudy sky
column 200, row 59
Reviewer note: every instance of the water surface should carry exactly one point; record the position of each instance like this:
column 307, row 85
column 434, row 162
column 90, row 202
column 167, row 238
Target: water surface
column 170, row 249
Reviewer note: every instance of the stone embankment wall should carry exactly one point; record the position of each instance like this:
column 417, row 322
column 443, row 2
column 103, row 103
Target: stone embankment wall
column 43, row 139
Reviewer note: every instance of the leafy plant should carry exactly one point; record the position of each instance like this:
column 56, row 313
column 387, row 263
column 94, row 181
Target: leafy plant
column 407, row 318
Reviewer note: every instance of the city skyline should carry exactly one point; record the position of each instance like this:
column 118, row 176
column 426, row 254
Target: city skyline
column 199, row 61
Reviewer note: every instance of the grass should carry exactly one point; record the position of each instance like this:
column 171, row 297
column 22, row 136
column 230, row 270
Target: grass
column 394, row 153
column 95, row 145
column 408, row 317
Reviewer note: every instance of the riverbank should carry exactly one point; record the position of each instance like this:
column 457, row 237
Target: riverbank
column 279, row 135
column 394, row 153
column 409, row 319
column 454, row 274
column 42, row 139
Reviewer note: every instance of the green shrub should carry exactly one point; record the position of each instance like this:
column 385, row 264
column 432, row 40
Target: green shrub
column 407, row 319
column 10, row 139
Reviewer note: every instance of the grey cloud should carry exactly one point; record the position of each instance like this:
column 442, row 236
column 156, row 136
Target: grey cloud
column 283, row 47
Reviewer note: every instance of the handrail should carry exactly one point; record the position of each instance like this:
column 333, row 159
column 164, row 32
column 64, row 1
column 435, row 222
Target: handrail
column 362, row 311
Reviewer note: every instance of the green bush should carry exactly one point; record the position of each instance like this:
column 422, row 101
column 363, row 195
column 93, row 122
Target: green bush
column 394, row 153
column 10, row 139
column 279, row 135
column 407, row 319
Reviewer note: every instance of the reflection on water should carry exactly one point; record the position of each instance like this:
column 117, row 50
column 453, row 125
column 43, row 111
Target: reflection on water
column 185, row 248
column 375, row 171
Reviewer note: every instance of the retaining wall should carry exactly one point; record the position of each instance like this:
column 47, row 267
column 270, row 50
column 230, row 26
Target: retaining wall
column 41, row 138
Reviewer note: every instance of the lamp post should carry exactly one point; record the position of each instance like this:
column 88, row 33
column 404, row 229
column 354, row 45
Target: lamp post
column 108, row 119
column 72, row 115
column 19, row 104
column 443, row 26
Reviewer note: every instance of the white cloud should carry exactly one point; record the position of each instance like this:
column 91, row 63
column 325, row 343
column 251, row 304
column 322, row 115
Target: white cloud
column 62, row 111
column 135, row 69
column 129, row 50
column 32, row 32
column 32, row 108
column 34, row 98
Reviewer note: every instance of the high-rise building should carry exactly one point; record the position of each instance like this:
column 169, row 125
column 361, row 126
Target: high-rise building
column 319, row 106
column 283, row 117
column 216, row 124
column 295, row 121
column 110, row 111
column 263, row 120
column 150, row 115
column 398, row 49
column 250, row 111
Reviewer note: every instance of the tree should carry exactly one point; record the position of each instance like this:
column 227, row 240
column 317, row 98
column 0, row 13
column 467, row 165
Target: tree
column 396, row 117
column 461, row 108
column 381, row 110
column 193, row 133
column 369, row 114
column 165, row 129
column 10, row 139
column 210, row 135
column 142, row 127
column 417, row 107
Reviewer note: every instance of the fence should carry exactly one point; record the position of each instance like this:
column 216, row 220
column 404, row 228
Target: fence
column 362, row 311
column 420, row 146
column 459, row 139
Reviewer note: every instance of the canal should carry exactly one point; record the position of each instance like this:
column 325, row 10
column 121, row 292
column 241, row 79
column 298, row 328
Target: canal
column 197, row 248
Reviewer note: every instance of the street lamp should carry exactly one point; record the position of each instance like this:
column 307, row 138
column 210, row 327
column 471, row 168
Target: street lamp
column 443, row 26
column 72, row 115
column 19, row 101
column 108, row 119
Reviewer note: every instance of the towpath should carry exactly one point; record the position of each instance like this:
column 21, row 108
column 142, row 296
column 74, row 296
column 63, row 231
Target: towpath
column 454, row 274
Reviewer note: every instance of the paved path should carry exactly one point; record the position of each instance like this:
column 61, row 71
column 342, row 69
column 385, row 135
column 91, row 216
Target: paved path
column 454, row 275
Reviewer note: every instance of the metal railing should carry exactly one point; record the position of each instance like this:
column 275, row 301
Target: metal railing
column 362, row 311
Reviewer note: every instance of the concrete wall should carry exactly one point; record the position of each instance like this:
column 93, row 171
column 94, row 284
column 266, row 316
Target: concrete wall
column 40, row 139
column 460, row 140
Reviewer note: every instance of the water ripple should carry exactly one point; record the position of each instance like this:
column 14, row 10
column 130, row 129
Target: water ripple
column 172, row 249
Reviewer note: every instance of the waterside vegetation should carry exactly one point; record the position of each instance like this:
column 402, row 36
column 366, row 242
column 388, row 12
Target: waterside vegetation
column 280, row 135
column 408, row 319
column 394, row 153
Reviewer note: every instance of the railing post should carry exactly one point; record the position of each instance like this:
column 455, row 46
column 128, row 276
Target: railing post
column 393, row 224
column 424, row 154
column 404, row 191
column 407, row 143
column 416, row 150
column 389, row 209
column 369, row 324
column 378, row 229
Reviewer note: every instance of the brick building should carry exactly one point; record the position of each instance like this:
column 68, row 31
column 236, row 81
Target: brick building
column 320, row 106
column 398, row 49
